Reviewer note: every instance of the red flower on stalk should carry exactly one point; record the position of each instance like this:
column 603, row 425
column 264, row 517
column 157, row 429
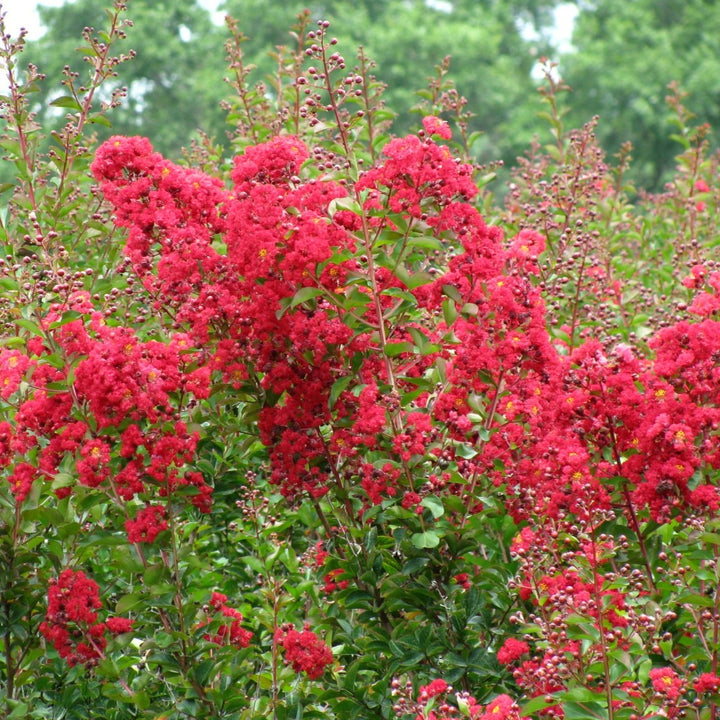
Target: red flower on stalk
column 666, row 682
column 227, row 634
column 707, row 683
column 511, row 650
column 435, row 126
column 463, row 580
column 304, row 651
column 147, row 525
column 334, row 581
column 435, row 688
column 71, row 623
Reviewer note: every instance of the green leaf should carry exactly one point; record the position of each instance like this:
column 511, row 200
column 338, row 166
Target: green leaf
column 67, row 101
column 99, row 119
column 452, row 292
column 427, row 539
column 537, row 703
column 338, row 387
column 450, row 312
column 344, row 203
column 29, row 325
column 414, row 564
column 418, row 279
column 583, row 694
column 67, row 317
column 19, row 711
column 425, row 241
column 394, row 349
column 434, row 505
column 583, row 711
column 305, row 294
column 402, row 294
column 128, row 602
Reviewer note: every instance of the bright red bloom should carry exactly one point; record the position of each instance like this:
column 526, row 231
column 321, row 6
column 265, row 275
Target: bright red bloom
column 511, row 650
column 227, row 634
column 304, row 651
column 333, row 581
column 13, row 366
column 503, row 707
column 435, row 126
column 21, row 480
column 666, row 682
column 463, row 579
column 275, row 161
column 436, row 687
column 707, row 683
column 118, row 625
column 71, row 623
column 146, row 525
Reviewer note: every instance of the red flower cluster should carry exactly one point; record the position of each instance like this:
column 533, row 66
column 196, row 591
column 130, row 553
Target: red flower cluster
column 436, row 687
column 432, row 706
column 304, row 651
column 511, row 651
column 667, row 683
column 13, row 367
column 71, row 623
column 130, row 388
column 707, row 683
column 334, row 581
column 146, row 525
column 435, row 126
column 276, row 231
column 416, row 172
column 227, row 634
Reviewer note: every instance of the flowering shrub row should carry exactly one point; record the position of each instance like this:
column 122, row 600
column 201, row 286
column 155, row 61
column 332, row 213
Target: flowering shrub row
column 317, row 437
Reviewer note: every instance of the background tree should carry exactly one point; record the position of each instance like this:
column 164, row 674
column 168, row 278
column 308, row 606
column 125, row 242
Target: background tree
column 491, row 55
column 625, row 55
column 173, row 85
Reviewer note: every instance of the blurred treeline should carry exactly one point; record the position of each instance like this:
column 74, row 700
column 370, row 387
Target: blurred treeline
column 623, row 56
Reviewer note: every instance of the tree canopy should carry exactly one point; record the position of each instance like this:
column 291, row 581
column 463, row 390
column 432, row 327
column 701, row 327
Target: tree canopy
column 172, row 80
column 625, row 55
column 491, row 59
column 173, row 87
column 622, row 59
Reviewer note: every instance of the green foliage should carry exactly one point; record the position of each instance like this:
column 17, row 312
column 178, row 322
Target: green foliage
column 625, row 55
column 430, row 578
column 490, row 62
column 172, row 88
column 622, row 59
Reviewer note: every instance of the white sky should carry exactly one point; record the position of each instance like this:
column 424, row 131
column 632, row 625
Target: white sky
column 22, row 13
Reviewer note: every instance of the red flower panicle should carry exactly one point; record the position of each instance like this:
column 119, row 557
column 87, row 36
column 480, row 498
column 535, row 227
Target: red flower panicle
column 667, row 683
column 511, row 651
column 231, row 633
column 146, row 525
column 304, row 651
column 71, row 623
column 435, row 126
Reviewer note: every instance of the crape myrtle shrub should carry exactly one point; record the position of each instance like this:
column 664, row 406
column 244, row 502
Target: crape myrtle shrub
column 320, row 431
